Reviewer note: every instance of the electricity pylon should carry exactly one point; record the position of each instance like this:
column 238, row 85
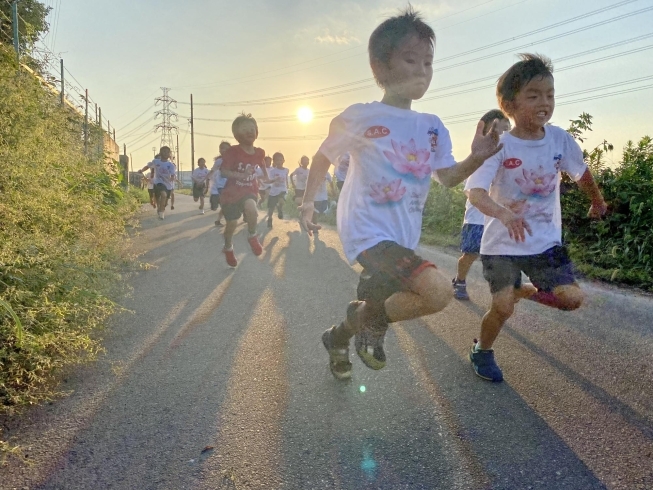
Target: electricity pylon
column 167, row 117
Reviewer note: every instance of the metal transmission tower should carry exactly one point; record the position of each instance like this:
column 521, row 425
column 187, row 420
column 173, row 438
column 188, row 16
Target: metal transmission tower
column 167, row 118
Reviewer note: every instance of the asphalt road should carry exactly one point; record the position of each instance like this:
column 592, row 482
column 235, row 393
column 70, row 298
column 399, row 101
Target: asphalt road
column 216, row 379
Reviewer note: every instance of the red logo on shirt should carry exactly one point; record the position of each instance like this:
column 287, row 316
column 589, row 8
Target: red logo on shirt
column 512, row 163
column 377, row 132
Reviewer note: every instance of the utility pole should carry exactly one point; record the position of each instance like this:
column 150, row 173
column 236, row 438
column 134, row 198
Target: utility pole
column 100, row 143
column 14, row 21
column 192, row 136
column 167, row 117
column 86, row 123
column 62, row 83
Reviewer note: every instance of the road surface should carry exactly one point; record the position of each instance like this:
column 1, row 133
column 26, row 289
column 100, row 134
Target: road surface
column 216, row 379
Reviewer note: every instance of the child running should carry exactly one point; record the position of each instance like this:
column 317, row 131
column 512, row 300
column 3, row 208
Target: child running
column 472, row 231
column 298, row 179
column 239, row 196
column 279, row 187
column 217, row 181
column 394, row 151
column 149, row 180
column 341, row 170
column 263, row 184
column 518, row 189
column 164, row 178
column 321, row 203
column 199, row 178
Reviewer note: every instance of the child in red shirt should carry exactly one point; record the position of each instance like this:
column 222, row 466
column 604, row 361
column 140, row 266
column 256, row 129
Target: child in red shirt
column 241, row 190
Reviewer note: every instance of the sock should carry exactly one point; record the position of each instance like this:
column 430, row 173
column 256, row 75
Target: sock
column 477, row 345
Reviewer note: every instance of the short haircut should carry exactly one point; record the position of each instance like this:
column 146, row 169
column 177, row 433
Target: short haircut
column 164, row 148
column 278, row 154
column 490, row 116
column 224, row 142
column 201, row 160
column 242, row 118
column 386, row 37
column 518, row 75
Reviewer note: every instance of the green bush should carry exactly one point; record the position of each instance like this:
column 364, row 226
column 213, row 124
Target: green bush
column 444, row 211
column 62, row 222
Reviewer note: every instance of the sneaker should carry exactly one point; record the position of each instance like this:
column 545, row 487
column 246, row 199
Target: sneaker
column 172, row 207
column 202, row 211
column 270, row 222
column 484, row 364
column 230, row 256
column 369, row 345
column 339, row 363
column 255, row 245
column 218, row 223
column 460, row 290
column 161, row 216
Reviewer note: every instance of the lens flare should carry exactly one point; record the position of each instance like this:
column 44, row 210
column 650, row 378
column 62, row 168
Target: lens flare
column 305, row 114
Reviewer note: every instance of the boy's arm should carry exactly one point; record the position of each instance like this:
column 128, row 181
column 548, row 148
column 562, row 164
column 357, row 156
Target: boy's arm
column 483, row 147
column 517, row 225
column 144, row 168
column 319, row 168
column 587, row 184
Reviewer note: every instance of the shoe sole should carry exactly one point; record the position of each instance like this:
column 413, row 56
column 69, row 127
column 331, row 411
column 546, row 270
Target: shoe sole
column 342, row 376
column 370, row 361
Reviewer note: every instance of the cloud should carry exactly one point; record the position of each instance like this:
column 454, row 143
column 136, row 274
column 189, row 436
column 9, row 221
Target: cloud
column 343, row 39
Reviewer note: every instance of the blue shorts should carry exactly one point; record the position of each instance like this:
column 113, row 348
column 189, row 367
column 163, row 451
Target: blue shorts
column 547, row 270
column 470, row 238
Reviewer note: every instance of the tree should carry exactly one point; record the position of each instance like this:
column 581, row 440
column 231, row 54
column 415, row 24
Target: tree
column 32, row 22
column 593, row 158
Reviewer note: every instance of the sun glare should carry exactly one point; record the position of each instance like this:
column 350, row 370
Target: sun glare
column 305, row 114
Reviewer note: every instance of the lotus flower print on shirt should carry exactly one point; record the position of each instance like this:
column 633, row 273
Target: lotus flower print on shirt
column 387, row 191
column 407, row 159
column 537, row 182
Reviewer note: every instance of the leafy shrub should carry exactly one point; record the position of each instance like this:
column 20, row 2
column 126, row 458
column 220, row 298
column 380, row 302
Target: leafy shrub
column 62, row 221
column 444, row 211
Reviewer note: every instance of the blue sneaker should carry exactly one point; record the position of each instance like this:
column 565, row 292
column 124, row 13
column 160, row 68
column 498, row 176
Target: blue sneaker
column 460, row 290
column 484, row 364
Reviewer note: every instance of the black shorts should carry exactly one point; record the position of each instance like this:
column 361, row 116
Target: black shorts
column 234, row 210
column 159, row 188
column 198, row 192
column 546, row 271
column 340, row 183
column 274, row 200
column 214, row 200
column 321, row 206
column 387, row 269
column 299, row 193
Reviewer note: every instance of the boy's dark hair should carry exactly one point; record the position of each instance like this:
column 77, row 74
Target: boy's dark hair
column 201, row 160
column 278, row 153
column 240, row 120
column 518, row 75
column 224, row 142
column 386, row 37
column 490, row 116
column 164, row 148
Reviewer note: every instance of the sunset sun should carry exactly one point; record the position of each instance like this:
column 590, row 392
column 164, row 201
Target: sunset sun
column 305, row 114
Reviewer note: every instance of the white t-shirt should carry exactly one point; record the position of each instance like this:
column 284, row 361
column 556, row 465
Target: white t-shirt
column 300, row 176
column 262, row 186
column 150, row 183
column 280, row 178
column 472, row 215
column 525, row 177
column 322, row 194
column 392, row 155
column 199, row 176
column 164, row 172
column 217, row 181
column 342, row 167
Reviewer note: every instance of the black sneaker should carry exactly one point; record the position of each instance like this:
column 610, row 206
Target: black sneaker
column 270, row 222
column 484, row 364
column 338, row 358
column 369, row 345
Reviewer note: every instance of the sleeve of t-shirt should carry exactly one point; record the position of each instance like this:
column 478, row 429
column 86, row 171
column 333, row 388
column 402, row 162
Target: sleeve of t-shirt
column 342, row 136
column 443, row 156
column 572, row 160
column 485, row 174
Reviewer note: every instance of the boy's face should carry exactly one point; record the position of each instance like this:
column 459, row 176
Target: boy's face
column 246, row 133
column 409, row 72
column 223, row 148
column 533, row 105
column 304, row 162
column 202, row 163
column 268, row 161
column 165, row 154
column 502, row 126
column 278, row 161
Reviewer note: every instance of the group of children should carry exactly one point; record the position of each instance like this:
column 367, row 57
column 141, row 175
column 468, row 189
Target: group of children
column 388, row 154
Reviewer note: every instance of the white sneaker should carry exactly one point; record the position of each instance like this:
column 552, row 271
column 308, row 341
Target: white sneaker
column 202, row 212
column 161, row 217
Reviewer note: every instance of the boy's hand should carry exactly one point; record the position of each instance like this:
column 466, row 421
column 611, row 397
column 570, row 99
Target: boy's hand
column 597, row 209
column 305, row 218
column 517, row 225
column 484, row 146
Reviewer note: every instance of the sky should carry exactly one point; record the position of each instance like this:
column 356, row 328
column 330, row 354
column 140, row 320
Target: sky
column 305, row 50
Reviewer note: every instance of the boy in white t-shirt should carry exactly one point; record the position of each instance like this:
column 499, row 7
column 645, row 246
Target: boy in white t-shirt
column 149, row 180
column 200, row 182
column 472, row 231
column 263, row 184
column 394, row 152
column 217, row 181
column 298, row 179
column 340, row 172
column 518, row 190
column 165, row 173
column 278, row 175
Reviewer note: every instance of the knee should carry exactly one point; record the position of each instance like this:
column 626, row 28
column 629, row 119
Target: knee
column 439, row 293
column 503, row 306
column 569, row 297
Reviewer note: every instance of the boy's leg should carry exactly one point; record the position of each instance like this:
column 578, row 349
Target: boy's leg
column 464, row 264
column 280, row 204
column 172, row 200
column 251, row 215
column 552, row 273
column 202, row 203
